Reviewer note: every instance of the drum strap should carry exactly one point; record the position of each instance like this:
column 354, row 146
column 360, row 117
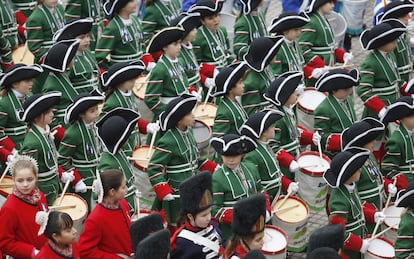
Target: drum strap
column 197, row 239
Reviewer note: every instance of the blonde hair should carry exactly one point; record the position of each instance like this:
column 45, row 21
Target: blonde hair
column 23, row 161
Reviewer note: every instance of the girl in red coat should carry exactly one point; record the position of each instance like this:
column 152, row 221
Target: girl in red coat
column 106, row 231
column 18, row 229
column 58, row 228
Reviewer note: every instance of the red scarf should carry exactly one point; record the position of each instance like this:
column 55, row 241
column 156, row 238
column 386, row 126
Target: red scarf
column 65, row 252
column 32, row 198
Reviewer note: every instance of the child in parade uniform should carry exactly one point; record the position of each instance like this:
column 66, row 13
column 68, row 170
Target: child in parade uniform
column 229, row 85
column 81, row 9
column 318, row 42
column 176, row 157
column 84, row 73
column 404, row 245
column 39, row 144
column 114, row 129
column 399, row 156
column 122, row 38
column 5, row 53
column 336, row 112
column 250, row 25
column 401, row 10
column 345, row 205
column 79, row 149
column 106, row 230
column 258, row 57
column 248, row 226
column 155, row 246
column 289, row 57
column 24, row 8
column 212, row 44
column 58, row 228
column 283, row 93
column 260, row 127
column 8, row 23
column 18, row 229
column 234, row 179
column 199, row 236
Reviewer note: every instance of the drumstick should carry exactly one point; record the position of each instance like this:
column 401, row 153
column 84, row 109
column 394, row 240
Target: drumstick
column 137, row 159
column 393, row 216
column 63, row 192
column 7, row 168
column 386, row 206
column 286, row 209
column 24, row 52
column 320, row 153
column 71, row 206
column 152, row 142
column 284, row 200
column 206, row 100
column 380, row 233
column 342, row 66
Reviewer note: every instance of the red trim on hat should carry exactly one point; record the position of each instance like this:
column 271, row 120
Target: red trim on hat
column 375, row 104
column 284, row 158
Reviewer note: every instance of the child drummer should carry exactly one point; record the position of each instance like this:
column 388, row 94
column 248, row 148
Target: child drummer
column 345, row 205
column 260, row 127
column 404, row 246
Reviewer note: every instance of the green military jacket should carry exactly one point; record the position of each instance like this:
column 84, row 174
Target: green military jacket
column 379, row 77
column 5, row 49
column 158, row 16
column 26, row 6
column 228, row 188
column 247, row 28
column 79, row 148
column 348, row 205
column 41, row 147
column 399, row 157
column 120, row 42
column 80, row 9
column 167, row 81
column 10, row 125
column 288, row 58
column 255, row 85
column 60, row 82
column 188, row 61
column 230, row 116
column 267, row 166
column 213, row 47
column 118, row 99
column 8, row 23
column 404, row 245
column 84, row 73
column 41, row 25
column 331, row 118
column 175, row 160
column 404, row 57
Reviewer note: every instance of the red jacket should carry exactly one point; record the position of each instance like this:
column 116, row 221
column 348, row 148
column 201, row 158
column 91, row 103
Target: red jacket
column 47, row 253
column 106, row 233
column 18, row 228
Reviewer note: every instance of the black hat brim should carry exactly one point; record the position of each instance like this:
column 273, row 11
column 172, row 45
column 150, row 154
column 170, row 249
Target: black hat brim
column 121, row 72
column 259, row 56
column 176, row 110
column 112, row 7
column 406, row 197
column 362, row 132
column 38, row 104
column 381, row 34
column 337, row 79
column 207, row 7
column 401, row 108
column 232, row 145
column 227, row 79
column 396, row 9
column 73, row 29
column 19, row 72
column 165, row 37
column 287, row 21
column 60, row 55
column 258, row 122
column 81, row 104
column 188, row 21
column 282, row 87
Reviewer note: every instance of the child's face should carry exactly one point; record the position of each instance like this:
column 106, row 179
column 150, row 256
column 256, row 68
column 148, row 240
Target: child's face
column 405, row 19
column 354, row 178
column 130, row 7
column 25, row 180
column 293, row 98
column 292, row 34
column 327, row 8
column 202, row 219
column 70, row 65
column 257, row 242
column 50, row 3
column 211, row 22
column 85, row 40
column 186, row 121
column 370, row 145
column 120, row 193
column 342, row 93
column 127, row 85
column 48, row 116
column 389, row 47
column 66, row 237
column 408, row 122
column 173, row 50
column 232, row 161
column 238, row 89
column 90, row 115
column 191, row 36
column 269, row 133
column 24, row 86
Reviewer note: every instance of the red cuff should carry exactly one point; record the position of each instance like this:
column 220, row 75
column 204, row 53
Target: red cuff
column 6, row 66
column 315, row 62
column 353, row 243
column 207, row 69
column 21, row 29
column 147, row 58
column 386, row 183
column 402, row 90
column 202, row 78
column 4, row 153
column 77, row 175
column 227, row 217
column 7, row 143
column 284, row 158
column 305, row 136
column 208, row 165
column 375, row 104
column 339, row 55
column 142, row 126
column 285, row 183
column 156, row 55
column 192, row 89
column 20, row 17
column 402, row 182
column 162, row 190
column 337, row 220
column 369, row 212
column 60, row 132
column 105, row 22
column 334, row 142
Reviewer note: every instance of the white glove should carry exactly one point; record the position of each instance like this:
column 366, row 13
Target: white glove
column 364, row 247
column 268, row 216
column 67, row 177
column 209, row 82
column 293, row 188
column 316, row 138
column 293, row 167
column 10, row 158
column 14, row 151
column 216, row 72
column 348, row 57
column 80, row 187
column 381, row 113
column 168, row 197
column 150, row 66
column 195, row 94
column 153, row 127
column 300, row 89
column 317, row 72
column 392, row 189
column 379, row 217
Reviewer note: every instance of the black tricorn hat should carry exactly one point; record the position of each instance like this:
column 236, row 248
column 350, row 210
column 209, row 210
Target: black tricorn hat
column 249, row 215
column 164, row 37
column 19, row 72
column 113, row 6
column 207, row 7
column 121, row 72
column 60, row 55
column 258, row 122
column 406, row 197
column 227, row 78
column 37, row 104
column 188, row 21
column 282, row 87
column 361, row 133
column 196, row 193
column 313, row 5
column 337, row 79
column 331, row 235
column 287, row 21
column 401, row 108
column 176, row 110
column 381, row 34
column 155, row 246
column 73, row 29
column 81, row 103
column 395, row 10
column 233, row 144
column 249, row 5
column 262, row 51
column 143, row 227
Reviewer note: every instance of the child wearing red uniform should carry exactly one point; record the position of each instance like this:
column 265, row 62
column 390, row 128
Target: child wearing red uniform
column 106, row 231
column 18, row 229
column 58, row 228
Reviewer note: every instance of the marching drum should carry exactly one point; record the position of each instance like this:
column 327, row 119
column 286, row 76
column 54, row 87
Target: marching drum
column 275, row 242
column 307, row 103
column 394, row 220
column 292, row 217
column 205, row 113
column 380, row 247
column 78, row 213
column 339, row 26
column 6, row 187
column 141, row 157
column 139, row 92
column 23, row 55
column 202, row 134
column 313, row 187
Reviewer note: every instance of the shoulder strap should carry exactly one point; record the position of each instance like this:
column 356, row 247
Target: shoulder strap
column 197, row 239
